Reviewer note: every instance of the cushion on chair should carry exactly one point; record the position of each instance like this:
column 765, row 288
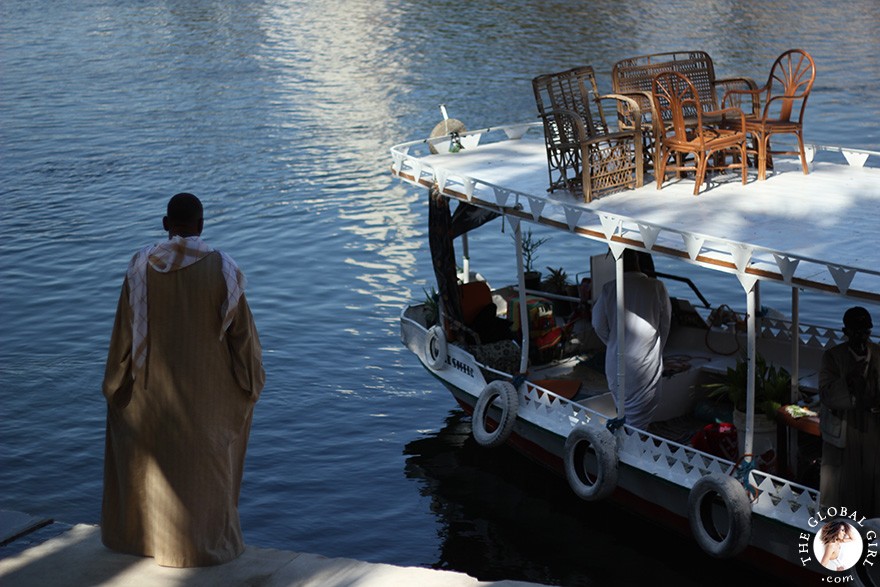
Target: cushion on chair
column 475, row 296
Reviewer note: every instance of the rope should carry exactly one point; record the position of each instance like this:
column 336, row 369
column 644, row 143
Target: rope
column 741, row 471
column 721, row 315
column 614, row 423
column 518, row 380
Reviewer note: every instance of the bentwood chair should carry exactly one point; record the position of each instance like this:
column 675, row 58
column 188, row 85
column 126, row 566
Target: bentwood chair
column 782, row 102
column 582, row 152
column 632, row 77
column 684, row 131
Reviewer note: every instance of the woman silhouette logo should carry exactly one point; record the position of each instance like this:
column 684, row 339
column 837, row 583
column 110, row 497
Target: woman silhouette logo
column 838, row 546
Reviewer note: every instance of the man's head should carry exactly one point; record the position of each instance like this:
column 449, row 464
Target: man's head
column 631, row 260
column 857, row 326
column 184, row 216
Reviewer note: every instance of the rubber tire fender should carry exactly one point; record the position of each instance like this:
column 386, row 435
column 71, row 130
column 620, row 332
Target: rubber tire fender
column 508, row 397
column 739, row 515
column 604, row 446
column 436, row 349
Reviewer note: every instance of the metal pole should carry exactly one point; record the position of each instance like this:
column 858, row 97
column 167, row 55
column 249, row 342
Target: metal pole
column 751, row 299
column 792, row 437
column 795, row 342
column 621, row 337
column 465, row 259
column 523, row 307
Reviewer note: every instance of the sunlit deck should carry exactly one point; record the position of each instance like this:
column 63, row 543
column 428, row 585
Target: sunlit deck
column 816, row 231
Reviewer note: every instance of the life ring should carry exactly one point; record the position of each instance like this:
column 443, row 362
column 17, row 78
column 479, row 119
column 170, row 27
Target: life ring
column 435, row 348
column 604, row 447
column 508, row 401
column 736, row 505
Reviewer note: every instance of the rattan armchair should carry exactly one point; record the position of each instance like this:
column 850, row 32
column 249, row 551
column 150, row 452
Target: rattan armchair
column 582, row 152
column 780, row 106
column 677, row 100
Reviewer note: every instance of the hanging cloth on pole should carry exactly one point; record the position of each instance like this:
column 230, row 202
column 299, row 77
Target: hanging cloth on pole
column 443, row 227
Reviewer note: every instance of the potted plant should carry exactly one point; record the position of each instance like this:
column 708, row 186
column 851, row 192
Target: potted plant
column 772, row 388
column 530, row 246
column 557, row 283
column 431, row 307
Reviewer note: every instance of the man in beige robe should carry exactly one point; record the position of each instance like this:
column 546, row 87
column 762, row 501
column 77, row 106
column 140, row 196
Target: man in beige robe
column 183, row 372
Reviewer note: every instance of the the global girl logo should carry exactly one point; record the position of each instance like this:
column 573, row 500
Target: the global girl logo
column 841, row 542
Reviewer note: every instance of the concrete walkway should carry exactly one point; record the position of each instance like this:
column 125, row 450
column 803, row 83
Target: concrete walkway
column 76, row 558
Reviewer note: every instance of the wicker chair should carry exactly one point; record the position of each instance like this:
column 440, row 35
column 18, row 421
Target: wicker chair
column 581, row 150
column 633, row 78
column 677, row 100
column 784, row 99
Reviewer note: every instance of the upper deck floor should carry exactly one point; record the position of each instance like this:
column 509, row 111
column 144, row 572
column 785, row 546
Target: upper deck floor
column 816, row 231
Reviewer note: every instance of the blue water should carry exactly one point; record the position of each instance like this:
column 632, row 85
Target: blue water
column 279, row 116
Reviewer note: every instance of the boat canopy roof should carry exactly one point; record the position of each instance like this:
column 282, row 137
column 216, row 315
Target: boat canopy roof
column 816, row 231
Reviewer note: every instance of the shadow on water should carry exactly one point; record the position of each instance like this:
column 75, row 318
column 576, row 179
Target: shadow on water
column 504, row 516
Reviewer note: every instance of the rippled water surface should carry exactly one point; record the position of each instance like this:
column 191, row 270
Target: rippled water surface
column 279, row 116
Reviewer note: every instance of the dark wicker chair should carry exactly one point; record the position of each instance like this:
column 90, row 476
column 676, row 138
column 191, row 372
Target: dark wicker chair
column 780, row 106
column 582, row 152
column 633, row 78
column 677, row 100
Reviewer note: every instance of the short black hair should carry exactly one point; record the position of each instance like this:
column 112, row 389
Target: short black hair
column 184, row 209
column 857, row 318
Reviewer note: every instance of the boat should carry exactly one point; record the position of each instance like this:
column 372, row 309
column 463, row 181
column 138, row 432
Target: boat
column 808, row 232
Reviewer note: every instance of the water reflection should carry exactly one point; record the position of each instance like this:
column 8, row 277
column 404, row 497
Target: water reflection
column 502, row 516
column 280, row 114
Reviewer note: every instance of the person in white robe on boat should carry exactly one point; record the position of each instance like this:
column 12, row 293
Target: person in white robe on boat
column 648, row 317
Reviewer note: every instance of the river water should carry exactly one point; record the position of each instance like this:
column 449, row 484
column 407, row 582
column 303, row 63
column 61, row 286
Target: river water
column 279, row 115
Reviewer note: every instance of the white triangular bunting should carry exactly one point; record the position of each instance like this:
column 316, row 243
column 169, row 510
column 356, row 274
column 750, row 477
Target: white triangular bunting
column 747, row 281
column 501, row 196
column 536, row 206
column 616, row 249
column 398, row 161
column 572, row 215
column 416, row 169
column 515, row 132
column 855, row 159
column 440, row 176
column 469, row 188
column 514, row 221
column 809, row 153
column 649, row 235
column 693, row 244
column 609, row 225
column 787, row 266
column 742, row 256
column 842, row 277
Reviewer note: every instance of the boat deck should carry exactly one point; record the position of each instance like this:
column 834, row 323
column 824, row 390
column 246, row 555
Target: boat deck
column 817, row 231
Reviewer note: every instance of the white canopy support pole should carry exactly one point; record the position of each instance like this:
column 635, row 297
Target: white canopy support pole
column 795, row 343
column 758, row 307
column 621, row 334
column 751, row 299
column 523, row 306
column 465, row 259
column 795, row 373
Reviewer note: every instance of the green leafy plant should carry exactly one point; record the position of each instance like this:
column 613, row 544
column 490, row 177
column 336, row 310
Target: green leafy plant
column 556, row 281
column 530, row 246
column 432, row 307
column 772, row 386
